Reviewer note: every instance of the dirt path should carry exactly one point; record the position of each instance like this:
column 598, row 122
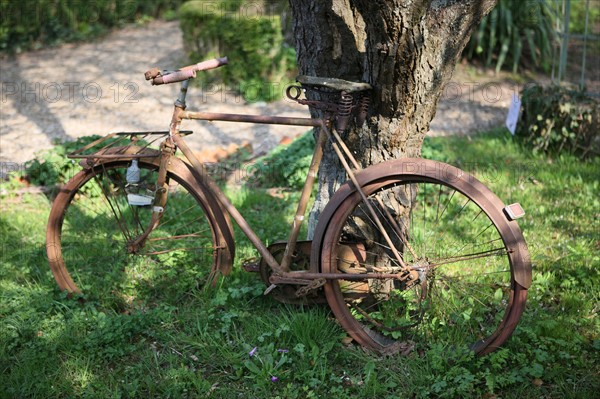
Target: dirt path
column 95, row 88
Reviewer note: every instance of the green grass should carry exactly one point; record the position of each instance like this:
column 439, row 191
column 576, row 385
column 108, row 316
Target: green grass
column 198, row 346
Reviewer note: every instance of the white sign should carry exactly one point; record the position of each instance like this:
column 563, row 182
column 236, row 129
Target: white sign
column 513, row 114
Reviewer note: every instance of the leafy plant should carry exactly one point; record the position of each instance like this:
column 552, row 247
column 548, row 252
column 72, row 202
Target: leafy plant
column 517, row 33
column 266, row 364
column 577, row 20
column 52, row 167
column 556, row 119
column 286, row 166
column 432, row 149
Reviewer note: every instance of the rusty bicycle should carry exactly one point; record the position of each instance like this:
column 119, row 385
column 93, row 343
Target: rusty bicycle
column 403, row 249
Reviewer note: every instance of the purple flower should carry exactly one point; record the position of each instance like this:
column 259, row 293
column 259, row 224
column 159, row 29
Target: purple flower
column 253, row 351
column 282, row 350
column 274, row 379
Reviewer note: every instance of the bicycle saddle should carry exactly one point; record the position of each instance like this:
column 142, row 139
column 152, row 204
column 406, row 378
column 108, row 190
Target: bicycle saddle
column 333, row 83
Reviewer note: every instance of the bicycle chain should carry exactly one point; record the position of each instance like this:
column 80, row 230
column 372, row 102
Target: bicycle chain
column 305, row 290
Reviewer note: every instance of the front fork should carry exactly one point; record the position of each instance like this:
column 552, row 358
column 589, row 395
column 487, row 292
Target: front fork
column 167, row 150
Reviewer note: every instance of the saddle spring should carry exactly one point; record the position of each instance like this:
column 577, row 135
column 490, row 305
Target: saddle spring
column 345, row 106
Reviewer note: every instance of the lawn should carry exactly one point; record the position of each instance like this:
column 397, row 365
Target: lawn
column 231, row 341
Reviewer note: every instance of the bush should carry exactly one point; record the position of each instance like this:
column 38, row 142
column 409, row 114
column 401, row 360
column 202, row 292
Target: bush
column 557, row 119
column 29, row 24
column 252, row 38
column 52, row 167
column 500, row 36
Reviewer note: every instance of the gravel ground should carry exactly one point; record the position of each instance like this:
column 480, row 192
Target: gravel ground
column 95, row 88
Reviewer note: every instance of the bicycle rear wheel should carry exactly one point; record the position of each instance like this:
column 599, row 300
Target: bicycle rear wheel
column 463, row 253
column 93, row 224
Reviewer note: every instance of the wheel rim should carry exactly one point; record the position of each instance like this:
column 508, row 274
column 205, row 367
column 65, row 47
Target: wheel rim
column 454, row 244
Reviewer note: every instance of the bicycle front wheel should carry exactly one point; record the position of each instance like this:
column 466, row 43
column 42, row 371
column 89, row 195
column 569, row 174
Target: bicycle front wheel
column 462, row 254
column 97, row 219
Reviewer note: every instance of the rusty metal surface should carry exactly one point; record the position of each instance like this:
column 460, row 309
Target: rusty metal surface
column 334, row 84
column 167, row 151
column 299, row 276
column 303, row 202
column 125, row 145
column 183, row 74
column 261, row 119
column 226, row 204
column 517, row 299
column 179, row 114
column 293, row 270
column 224, row 234
column 336, row 147
column 152, row 73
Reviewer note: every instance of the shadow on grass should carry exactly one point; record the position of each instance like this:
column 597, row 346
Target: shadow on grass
column 31, row 315
column 55, row 346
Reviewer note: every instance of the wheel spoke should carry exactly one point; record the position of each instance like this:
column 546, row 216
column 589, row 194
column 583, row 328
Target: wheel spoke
column 462, row 258
column 460, row 269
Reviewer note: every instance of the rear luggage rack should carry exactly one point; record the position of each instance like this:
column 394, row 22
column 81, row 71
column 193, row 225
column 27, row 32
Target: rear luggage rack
column 124, row 144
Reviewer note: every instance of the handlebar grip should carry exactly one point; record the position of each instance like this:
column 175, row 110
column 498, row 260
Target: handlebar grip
column 189, row 71
column 209, row 64
column 177, row 76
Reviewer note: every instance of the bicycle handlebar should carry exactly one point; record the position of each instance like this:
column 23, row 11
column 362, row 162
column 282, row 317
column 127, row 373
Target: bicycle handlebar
column 184, row 73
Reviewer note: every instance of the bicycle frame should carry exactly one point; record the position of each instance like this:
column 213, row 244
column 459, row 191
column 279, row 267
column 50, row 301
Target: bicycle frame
column 325, row 133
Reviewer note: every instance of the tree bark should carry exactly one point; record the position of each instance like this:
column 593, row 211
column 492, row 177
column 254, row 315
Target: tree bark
column 406, row 49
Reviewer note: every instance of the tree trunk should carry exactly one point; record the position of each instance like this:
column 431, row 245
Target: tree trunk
column 406, row 49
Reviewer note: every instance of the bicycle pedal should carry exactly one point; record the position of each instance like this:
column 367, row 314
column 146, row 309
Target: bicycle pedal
column 269, row 289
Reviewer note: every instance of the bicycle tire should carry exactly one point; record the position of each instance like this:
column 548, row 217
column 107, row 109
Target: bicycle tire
column 91, row 224
column 473, row 299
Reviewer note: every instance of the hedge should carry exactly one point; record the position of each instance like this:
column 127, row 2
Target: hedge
column 27, row 24
column 250, row 34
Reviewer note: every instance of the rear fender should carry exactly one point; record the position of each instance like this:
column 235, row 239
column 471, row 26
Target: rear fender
column 405, row 169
